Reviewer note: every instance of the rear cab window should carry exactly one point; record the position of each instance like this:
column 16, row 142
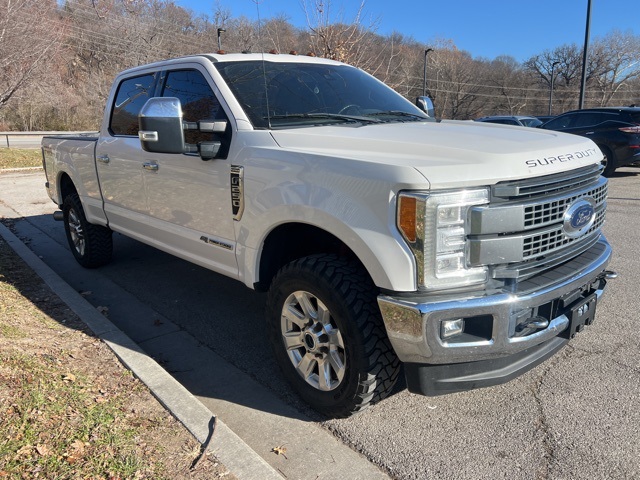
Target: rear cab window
column 131, row 96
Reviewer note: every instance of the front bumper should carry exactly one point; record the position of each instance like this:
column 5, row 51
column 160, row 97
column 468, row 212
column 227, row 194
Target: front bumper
column 413, row 325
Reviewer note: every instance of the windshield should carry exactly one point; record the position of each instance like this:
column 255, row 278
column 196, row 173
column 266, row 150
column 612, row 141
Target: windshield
column 531, row 122
column 302, row 94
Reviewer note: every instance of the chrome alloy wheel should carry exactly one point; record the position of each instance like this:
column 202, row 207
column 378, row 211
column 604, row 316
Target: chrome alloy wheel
column 76, row 231
column 313, row 342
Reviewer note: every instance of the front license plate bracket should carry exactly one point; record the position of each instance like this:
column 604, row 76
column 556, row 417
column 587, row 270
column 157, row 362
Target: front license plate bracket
column 581, row 314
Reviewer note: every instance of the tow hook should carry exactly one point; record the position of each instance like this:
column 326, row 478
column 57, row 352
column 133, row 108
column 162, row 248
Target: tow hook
column 58, row 216
column 536, row 323
column 609, row 275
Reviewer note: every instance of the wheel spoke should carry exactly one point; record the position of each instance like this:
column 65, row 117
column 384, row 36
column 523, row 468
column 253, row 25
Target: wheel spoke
column 324, row 374
column 75, row 229
column 324, row 315
column 293, row 316
column 306, row 365
column 335, row 337
column 304, row 301
column 292, row 340
column 335, row 360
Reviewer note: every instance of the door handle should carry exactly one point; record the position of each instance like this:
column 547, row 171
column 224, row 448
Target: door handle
column 153, row 167
column 103, row 158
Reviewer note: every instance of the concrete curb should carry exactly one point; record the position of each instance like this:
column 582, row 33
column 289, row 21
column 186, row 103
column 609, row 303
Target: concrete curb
column 234, row 453
column 20, row 169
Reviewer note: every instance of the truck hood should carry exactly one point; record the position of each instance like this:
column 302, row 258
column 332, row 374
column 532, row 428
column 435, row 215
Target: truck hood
column 449, row 154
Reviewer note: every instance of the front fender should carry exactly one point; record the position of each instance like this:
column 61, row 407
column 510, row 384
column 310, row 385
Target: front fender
column 352, row 200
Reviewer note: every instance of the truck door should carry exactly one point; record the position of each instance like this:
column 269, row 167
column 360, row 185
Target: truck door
column 189, row 199
column 118, row 159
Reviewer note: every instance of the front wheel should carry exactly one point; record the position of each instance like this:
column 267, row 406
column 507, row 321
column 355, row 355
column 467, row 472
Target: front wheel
column 328, row 335
column 90, row 244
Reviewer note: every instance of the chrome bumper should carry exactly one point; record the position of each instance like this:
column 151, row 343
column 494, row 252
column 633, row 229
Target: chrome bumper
column 413, row 325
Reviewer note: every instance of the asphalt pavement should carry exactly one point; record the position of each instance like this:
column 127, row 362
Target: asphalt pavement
column 575, row 416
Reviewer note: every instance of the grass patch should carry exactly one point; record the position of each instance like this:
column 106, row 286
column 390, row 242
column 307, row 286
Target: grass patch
column 20, row 157
column 64, row 426
column 68, row 408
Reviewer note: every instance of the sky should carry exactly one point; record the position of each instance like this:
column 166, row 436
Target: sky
column 484, row 28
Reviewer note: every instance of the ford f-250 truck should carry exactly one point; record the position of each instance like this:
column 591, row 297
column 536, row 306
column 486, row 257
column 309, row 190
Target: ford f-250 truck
column 469, row 252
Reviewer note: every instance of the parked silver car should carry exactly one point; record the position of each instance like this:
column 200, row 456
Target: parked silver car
column 521, row 120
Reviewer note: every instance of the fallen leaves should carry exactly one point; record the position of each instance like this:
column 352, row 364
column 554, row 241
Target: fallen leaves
column 43, row 450
column 280, row 450
column 76, row 451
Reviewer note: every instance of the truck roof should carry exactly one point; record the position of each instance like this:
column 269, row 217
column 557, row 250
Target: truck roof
column 238, row 57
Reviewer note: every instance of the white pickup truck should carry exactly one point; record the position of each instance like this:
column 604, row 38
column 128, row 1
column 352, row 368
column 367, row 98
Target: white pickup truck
column 469, row 252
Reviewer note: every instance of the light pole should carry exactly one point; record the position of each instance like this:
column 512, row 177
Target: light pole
column 553, row 66
column 424, row 73
column 585, row 54
column 220, row 30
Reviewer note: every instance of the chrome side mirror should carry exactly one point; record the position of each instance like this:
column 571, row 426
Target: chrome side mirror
column 160, row 122
column 426, row 105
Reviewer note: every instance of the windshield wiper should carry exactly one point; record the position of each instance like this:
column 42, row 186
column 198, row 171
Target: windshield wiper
column 337, row 116
column 397, row 113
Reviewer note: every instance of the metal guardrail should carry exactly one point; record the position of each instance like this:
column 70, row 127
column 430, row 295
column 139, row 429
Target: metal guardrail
column 6, row 135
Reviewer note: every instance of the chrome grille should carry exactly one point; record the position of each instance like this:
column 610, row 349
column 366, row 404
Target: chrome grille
column 547, row 185
column 545, row 213
column 521, row 232
column 554, row 239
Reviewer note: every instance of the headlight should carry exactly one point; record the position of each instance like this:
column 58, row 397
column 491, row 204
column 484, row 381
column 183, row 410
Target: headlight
column 436, row 227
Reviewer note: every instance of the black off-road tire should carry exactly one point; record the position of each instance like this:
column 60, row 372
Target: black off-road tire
column 91, row 245
column 348, row 323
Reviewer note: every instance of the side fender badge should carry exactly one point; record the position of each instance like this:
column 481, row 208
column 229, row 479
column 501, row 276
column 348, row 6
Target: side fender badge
column 237, row 191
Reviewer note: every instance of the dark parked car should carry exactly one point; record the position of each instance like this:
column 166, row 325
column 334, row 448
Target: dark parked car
column 520, row 120
column 616, row 130
column 545, row 118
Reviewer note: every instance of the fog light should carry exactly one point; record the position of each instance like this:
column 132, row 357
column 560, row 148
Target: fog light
column 451, row 328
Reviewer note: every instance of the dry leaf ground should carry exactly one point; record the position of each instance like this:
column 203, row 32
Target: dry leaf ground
column 68, row 408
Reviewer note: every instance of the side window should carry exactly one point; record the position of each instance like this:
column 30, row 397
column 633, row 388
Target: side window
column 559, row 123
column 132, row 94
column 197, row 99
column 588, row 119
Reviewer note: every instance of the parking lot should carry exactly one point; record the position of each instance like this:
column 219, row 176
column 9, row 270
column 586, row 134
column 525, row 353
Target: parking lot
column 575, row 416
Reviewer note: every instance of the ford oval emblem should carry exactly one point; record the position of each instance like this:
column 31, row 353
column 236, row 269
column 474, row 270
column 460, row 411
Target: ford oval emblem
column 579, row 217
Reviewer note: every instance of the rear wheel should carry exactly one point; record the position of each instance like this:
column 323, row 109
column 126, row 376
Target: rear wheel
column 608, row 162
column 328, row 335
column 90, row 244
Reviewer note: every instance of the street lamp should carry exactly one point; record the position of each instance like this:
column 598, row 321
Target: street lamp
column 220, row 30
column 553, row 66
column 585, row 55
column 424, row 73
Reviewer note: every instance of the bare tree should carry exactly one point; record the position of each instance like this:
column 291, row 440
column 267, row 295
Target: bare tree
column 618, row 61
column 346, row 41
column 58, row 58
column 29, row 36
column 458, row 83
column 510, row 93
